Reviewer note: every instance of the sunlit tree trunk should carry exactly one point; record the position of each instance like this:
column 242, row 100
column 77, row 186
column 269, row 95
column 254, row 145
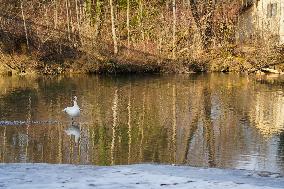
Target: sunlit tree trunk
column 77, row 15
column 88, row 10
column 174, row 29
column 161, row 33
column 114, row 38
column 45, row 15
column 141, row 23
column 25, row 26
column 98, row 17
column 68, row 19
column 70, row 16
column 55, row 14
column 128, row 25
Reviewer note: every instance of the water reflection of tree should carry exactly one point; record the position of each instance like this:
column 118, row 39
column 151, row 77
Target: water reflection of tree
column 129, row 125
column 281, row 149
column 114, row 125
column 197, row 121
column 201, row 111
column 217, row 116
column 208, row 128
column 174, row 127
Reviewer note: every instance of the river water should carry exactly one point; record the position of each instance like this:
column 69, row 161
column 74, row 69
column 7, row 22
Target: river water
column 209, row 120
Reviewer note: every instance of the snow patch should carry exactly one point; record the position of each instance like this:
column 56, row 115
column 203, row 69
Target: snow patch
column 46, row 176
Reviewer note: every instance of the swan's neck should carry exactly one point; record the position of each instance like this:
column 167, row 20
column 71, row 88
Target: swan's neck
column 75, row 103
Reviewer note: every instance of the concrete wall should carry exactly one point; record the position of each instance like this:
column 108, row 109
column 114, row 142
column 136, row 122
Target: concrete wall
column 246, row 26
column 257, row 23
column 281, row 29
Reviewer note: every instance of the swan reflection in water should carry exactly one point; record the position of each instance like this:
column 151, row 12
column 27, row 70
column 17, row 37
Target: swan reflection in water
column 74, row 130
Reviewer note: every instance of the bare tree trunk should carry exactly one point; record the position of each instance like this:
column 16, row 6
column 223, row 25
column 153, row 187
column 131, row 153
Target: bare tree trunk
column 174, row 29
column 25, row 27
column 206, row 33
column 196, row 16
column 161, row 33
column 45, row 15
column 81, row 11
column 141, row 22
column 77, row 15
column 98, row 17
column 55, row 14
column 70, row 16
column 113, row 27
column 68, row 20
column 128, row 25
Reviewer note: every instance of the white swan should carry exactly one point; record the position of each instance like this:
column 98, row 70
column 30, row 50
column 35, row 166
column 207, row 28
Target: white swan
column 73, row 111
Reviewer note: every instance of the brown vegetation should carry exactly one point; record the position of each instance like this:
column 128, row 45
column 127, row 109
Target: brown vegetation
column 114, row 36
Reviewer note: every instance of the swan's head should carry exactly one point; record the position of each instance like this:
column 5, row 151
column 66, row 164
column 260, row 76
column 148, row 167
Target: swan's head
column 75, row 98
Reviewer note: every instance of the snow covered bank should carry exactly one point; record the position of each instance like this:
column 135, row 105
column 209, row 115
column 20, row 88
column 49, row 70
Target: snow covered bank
column 22, row 176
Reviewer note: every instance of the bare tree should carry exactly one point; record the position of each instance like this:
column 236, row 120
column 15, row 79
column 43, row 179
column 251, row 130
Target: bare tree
column 141, row 22
column 55, row 14
column 174, row 29
column 68, row 18
column 77, row 14
column 202, row 12
column 25, row 26
column 98, row 17
column 127, row 23
column 114, row 38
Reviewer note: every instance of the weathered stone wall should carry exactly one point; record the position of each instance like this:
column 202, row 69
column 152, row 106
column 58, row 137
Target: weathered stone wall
column 263, row 20
column 281, row 31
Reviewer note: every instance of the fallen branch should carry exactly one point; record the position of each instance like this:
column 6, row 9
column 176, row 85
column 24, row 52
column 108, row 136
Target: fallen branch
column 269, row 70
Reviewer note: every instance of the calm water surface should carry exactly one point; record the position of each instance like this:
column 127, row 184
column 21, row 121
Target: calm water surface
column 215, row 120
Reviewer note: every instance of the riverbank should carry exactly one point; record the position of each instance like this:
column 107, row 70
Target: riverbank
column 132, row 176
column 247, row 59
column 138, row 37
